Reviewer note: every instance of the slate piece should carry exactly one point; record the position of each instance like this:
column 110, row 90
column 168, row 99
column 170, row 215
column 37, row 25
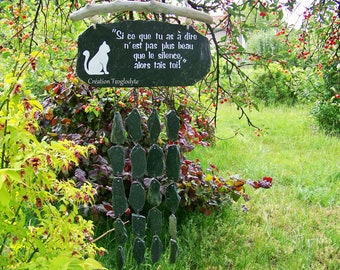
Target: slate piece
column 139, row 250
column 173, row 163
column 120, row 231
column 155, row 221
column 173, row 226
column 156, row 249
column 138, row 225
column 137, row 196
column 119, row 202
column 154, row 194
column 172, row 125
column 120, row 257
column 154, row 126
column 118, row 131
column 133, row 124
column 173, row 251
column 117, row 159
column 172, row 198
column 155, row 161
column 138, row 162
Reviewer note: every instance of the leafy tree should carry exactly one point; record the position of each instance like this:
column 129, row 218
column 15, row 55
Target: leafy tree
column 327, row 106
column 40, row 224
column 313, row 47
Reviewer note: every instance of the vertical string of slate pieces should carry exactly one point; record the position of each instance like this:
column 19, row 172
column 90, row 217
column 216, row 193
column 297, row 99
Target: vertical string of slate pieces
column 137, row 192
column 116, row 155
column 173, row 164
column 155, row 170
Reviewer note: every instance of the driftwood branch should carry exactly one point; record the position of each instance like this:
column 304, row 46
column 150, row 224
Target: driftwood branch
column 91, row 10
column 106, row 233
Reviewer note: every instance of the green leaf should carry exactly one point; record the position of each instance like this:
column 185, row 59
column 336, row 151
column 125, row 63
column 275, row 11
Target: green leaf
column 5, row 54
column 235, row 196
column 5, row 197
column 281, row 14
column 64, row 262
column 75, row 264
column 90, row 264
column 231, row 11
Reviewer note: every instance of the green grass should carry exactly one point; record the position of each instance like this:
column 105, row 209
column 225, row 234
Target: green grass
column 293, row 225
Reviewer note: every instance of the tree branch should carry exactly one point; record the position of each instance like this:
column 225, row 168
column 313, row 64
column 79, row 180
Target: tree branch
column 106, row 233
column 91, row 10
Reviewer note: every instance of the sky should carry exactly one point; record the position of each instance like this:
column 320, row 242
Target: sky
column 295, row 17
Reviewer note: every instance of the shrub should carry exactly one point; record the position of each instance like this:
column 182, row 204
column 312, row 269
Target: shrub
column 327, row 114
column 83, row 114
column 306, row 85
column 273, row 85
column 40, row 224
column 327, row 108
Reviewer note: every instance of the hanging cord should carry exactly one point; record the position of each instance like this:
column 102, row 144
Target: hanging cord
column 188, row 21
column 135, row 96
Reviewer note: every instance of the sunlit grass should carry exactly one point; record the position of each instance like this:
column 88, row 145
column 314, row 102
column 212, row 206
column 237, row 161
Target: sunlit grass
column 293, row 225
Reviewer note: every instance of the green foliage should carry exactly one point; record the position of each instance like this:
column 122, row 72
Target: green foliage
column 327, row 108
column 40, row 224
column 37, row 41
column 41, row 227
column 317, row 47
column 269, row 45
column 305, row 85
column 273, row 85
column 327, row 115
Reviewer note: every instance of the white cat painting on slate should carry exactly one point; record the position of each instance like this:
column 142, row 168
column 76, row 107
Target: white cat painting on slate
column 98, row 64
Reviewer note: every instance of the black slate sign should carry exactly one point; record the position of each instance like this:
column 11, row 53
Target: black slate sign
column 142, row 53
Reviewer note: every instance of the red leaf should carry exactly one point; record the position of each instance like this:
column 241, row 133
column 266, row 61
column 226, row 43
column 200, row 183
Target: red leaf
column 66, row 121
column 268, row 179
column 54, row 122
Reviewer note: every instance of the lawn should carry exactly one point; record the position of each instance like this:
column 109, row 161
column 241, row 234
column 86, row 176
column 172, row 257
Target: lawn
column 293, row 225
